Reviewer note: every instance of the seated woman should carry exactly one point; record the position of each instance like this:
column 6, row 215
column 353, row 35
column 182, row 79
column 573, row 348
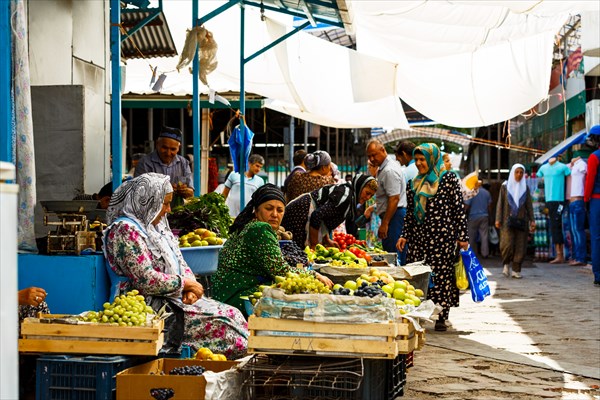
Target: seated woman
column 139, row 245
column 313, row 216
column 251, row 256
column 31, row 302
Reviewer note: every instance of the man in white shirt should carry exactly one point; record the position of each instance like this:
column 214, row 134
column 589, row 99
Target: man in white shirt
column 404, row 155
column 251, row 183
column 577, row 210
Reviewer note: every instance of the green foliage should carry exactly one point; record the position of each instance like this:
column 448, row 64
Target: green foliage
column 208, row 211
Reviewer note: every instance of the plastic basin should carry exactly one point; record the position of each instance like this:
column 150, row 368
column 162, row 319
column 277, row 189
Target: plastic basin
column 202, row 260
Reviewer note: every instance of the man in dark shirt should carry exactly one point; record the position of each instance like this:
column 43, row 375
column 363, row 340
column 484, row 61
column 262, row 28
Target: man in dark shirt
column 166, row 160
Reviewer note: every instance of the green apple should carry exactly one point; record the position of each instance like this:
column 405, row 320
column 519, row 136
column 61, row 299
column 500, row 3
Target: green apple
column 409, row 301
column 388, row 288
column 399, row 294
column 399, row 303
column 419, row 293
column 337, row 286
column 417, row 301
column 350, row 285
column 365, row 277
column 400, row 285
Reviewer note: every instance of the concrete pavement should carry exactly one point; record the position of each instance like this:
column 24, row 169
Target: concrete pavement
column 534, row 338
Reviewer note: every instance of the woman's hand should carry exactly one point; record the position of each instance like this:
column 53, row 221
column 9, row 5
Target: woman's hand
column 498, row 224
column 328, row 242
column 463, row 245
column 189, row 297
column 326, row 281
column 400, row 244
column 32, row 296
column 369, row 212
column 192, row 285
column 532, row 226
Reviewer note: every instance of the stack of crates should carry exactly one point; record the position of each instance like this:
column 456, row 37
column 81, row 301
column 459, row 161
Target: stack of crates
column 78, row 378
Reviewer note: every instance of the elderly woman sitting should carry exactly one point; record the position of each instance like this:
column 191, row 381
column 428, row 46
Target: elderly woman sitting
column 251, row 256
column 139, row 245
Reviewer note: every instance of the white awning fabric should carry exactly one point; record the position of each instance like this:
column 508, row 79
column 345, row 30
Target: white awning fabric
column 466, row 63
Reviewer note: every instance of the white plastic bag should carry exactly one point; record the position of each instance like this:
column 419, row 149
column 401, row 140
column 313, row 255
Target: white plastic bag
column 493, row 236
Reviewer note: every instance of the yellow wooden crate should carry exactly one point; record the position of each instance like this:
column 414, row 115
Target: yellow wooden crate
column 287, row 336
column 54, row 337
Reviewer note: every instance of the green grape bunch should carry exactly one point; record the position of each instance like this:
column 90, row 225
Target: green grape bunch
column 303, row 282
column 126, row 310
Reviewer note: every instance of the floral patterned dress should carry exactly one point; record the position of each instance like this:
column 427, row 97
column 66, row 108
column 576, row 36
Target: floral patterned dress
column 434, row 241
column 208, row 323
column 248, row 259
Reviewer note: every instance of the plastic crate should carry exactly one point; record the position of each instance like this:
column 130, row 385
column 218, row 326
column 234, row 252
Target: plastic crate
column 202, row 260
column 298, row 377
column 62, row 377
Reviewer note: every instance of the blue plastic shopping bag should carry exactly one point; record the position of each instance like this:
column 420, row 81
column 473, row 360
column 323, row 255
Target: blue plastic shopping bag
column 477, row 279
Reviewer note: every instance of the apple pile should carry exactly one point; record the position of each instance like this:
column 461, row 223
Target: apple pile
column 200, row 237
column 381, row 283
column 335, row 257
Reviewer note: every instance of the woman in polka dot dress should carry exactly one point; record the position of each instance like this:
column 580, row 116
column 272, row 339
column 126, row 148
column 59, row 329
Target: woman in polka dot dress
column 436, row 225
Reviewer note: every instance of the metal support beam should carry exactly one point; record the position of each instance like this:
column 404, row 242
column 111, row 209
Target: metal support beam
column 154, row 12
column 242, row 107
column 115, row 105
column 309, row 15
column 293, row 13
column 276, row 42
column 6, row 145
column 215, row 12
column 196, row 106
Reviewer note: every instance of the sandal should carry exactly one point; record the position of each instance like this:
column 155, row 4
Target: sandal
column 440, row 326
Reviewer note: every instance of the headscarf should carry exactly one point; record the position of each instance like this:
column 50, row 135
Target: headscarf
column 425, row 185
column 266, row 192
column 140, row 200
column 359, row 182
column 317, row 159
column 344, row 196
column 516, row 190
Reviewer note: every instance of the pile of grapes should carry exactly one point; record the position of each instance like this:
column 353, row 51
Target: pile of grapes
column 188, row 370
column 377, row 258
column 300, row 283
column 366, row 290
column 162, row 393
column 126, row 310
column 293, row 254
column 342, row 291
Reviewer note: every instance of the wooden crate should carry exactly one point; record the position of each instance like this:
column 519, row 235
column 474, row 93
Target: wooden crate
column 286, row 336
column 53, row 337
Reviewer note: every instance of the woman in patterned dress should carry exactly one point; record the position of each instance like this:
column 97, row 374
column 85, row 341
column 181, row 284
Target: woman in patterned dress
column 313, row 216
column 139, row 245
column 435, row 226
column 319, row 174
column 251, row 256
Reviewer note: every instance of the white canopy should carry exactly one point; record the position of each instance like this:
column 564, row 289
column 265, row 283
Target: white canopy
column 466, row 63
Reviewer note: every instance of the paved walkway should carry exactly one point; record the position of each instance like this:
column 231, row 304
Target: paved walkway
column 534, row 338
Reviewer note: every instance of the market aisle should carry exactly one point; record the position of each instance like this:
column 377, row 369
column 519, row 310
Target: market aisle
column 538, row 337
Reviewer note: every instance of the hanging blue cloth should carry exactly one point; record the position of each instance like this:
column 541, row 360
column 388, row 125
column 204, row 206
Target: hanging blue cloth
column 235, row 146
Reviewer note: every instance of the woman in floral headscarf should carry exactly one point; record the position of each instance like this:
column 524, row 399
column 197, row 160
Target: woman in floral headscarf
column 319, row 168
column 436, row 227
column 139, row 245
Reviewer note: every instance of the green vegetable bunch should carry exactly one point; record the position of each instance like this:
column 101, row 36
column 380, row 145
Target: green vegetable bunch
column 208, row 211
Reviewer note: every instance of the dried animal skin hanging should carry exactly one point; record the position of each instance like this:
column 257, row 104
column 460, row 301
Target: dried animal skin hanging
column 207, row 51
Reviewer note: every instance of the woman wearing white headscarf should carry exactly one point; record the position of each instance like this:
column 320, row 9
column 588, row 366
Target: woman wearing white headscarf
column 514, row 218
column 140, row 246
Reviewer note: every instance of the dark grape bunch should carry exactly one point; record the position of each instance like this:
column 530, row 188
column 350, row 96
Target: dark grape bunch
column 377, row 258
column 162, row 393
column 293, row 254
column 366, row 290
column 342, row 292
column 188, row 370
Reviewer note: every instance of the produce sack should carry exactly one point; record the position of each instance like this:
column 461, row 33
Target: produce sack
column 477, row 279
column 462, row 282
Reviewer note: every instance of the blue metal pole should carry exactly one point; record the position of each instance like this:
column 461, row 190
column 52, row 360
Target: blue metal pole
column 115, row 106
column 196, row 117
column 242, row 110
column 6, row 145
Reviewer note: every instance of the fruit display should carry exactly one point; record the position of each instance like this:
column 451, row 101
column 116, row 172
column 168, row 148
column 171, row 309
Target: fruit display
column 125, row 310
column 205, row 353
column 345, row 240
column 188, row 370
column 293, row 283
column 208, row 211
column 335, row 257
column 200, row 237
column 293, row 254
column 381, row 283
column 162, row 393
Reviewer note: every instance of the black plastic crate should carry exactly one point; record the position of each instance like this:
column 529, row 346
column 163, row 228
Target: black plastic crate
column 62, row 377
column 305, row 377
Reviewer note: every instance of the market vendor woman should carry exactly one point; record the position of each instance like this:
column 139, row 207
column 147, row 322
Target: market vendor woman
column 251, row 256
column 139, row 245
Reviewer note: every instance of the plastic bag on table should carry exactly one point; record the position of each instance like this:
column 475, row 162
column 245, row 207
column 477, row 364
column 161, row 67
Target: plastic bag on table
column 477, row 279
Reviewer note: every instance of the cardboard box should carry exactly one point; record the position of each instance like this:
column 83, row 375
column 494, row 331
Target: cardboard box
column 136, row 382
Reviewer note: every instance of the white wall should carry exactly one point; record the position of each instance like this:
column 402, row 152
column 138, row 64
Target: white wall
column 69, row 45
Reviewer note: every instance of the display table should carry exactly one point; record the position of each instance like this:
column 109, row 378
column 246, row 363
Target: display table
column 74, row 283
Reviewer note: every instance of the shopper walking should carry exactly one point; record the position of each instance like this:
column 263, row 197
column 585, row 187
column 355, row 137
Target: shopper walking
column 592, row 196
column 514, row 218
column 554, row 174
column 479, row 219
column 435, row 223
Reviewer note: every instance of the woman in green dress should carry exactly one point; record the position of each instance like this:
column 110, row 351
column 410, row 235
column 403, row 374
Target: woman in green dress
column 251, row 256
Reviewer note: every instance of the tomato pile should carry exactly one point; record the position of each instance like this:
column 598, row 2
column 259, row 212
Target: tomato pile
column 345, row 240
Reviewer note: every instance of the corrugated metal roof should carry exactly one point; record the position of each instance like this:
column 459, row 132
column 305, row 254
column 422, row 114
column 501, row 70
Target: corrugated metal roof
column 334, row 11
column 153, row 39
